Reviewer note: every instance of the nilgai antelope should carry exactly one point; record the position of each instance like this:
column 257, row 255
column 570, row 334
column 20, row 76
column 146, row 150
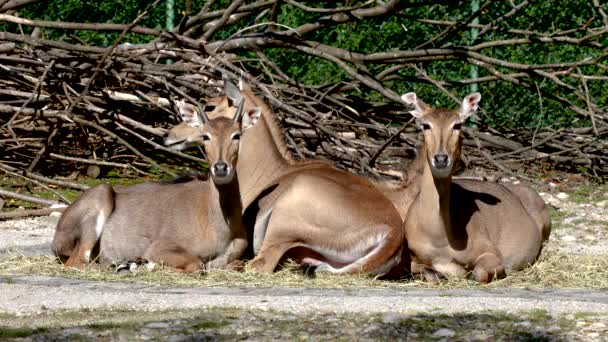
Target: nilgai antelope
column 311, row 211
column 184, row 135
column 181, row 225
column 457, row 226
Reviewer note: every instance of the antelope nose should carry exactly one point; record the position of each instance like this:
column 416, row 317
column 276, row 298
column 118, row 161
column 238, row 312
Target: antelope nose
column 441, row 161
column 220, row 169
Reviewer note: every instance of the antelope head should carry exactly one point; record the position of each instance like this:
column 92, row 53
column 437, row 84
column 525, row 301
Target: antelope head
column 442, row 131
column 187, row 133
column 221, row 139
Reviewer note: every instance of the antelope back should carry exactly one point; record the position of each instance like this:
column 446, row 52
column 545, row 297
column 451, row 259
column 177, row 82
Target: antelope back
column 442, row 131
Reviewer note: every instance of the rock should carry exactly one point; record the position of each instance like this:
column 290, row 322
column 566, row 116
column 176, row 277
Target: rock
column 93, row 171
column 568, row 238
column 562, row 196
column 371, row 328
column 553, row 201
column 177, row 338
column 392, row 318
column 589, row 237
column 444, row 332
column 554, row 328
column 597, row 325
column 593, row 334
column 602, row 204
column 524, row 324
column 56, row 206
column 480, row 336
column 157, row 325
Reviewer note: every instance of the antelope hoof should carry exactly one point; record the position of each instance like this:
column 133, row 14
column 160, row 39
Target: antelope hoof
column 236, row 265
column 308, row 270
column 487, row 267
column 432, row 275
column 426, row 272
column 259, row 264
column 76, row 262
column 132, row 265
column 324, row 267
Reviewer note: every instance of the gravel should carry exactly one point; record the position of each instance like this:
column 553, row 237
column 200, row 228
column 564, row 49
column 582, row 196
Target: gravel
column 287, row 313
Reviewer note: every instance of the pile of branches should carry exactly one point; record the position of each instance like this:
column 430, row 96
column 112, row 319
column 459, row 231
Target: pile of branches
column 67, row 107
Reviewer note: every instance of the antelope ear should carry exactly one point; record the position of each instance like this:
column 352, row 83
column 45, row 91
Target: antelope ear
column 232, row 91
column 243, row 85
column 420, row 107
column 250, row 117
column 469, row 105
column 189, row 114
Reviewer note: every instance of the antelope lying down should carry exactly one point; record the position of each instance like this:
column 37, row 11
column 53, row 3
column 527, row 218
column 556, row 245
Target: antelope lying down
column 181, row 225
column 405, row 194
column 311, row 211
column 456, row 226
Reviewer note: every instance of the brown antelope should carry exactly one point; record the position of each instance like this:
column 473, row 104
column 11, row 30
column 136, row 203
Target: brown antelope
column 184, row 135
column 311, row 211
column 403, row 194
column 181, row 225
column 457, row 226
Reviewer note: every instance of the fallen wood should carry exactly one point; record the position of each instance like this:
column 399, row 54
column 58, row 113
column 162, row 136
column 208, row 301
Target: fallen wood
column 6, row 215
column 65, row 105
column 27, row 198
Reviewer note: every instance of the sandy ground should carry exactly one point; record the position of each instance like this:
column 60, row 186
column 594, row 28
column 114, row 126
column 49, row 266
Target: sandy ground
column 582, row 230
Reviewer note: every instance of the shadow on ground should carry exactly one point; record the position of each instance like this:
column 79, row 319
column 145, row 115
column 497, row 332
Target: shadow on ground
column 233, row 324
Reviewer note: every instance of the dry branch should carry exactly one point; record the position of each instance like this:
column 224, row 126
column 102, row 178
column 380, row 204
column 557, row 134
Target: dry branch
column 64, row 106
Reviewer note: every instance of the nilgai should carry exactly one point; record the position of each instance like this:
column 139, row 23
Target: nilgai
column 184, row 225
column 311, row 211
column 458, row 226
column 184, row 135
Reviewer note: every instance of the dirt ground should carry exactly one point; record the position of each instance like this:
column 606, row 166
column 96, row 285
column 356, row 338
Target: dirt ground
column 40, row 307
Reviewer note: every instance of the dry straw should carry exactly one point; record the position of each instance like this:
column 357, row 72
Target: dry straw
column 552, row 270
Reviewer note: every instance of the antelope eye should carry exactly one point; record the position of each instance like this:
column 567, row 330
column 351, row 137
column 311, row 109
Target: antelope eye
column 426, row 126
column 206, row 137
column 457, row 126
column 236, row 136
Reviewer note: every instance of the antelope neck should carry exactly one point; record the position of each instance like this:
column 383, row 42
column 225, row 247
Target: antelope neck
column 261, row 160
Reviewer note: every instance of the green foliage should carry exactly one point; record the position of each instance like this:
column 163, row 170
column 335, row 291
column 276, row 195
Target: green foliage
column 506, row 104
column 6, row 332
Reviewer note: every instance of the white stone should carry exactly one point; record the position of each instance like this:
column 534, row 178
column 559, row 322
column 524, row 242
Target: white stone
column 553, row 201
column 589, row 237
column 568, row 238
column 551, row 184
column 593, row 335
column 524, row 324
column 597, row 325
column 562, row 196
column 157, row 325
column 443, row 332
column 55, row 214
column 602, row 204
column 392, row 318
